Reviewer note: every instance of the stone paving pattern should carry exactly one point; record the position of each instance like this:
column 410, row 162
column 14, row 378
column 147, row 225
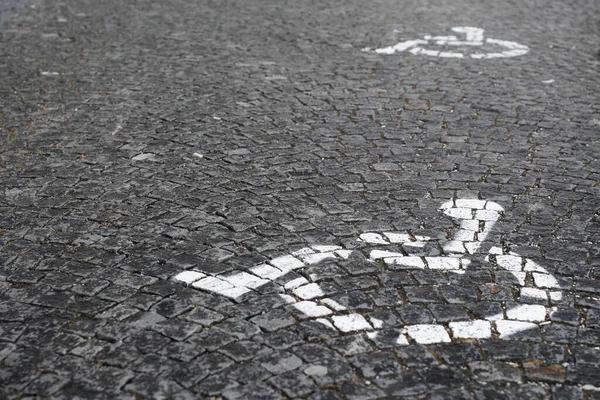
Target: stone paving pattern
column 142, row 139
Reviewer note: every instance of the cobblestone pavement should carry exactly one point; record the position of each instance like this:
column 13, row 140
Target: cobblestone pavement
column 299, row 199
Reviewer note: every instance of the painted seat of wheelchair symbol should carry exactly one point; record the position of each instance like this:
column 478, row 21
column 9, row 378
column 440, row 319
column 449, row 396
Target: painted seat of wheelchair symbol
column 404, row 251
column 473, row 45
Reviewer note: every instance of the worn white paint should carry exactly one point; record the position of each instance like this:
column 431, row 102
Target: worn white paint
column 473, row 38
column 477, row 329
column 527, row 312
column 401, row 341
column 427, row 334
column 190, row 277
column 294, row 283
column 351, row 322
column 144, row 156
column 310, row 291
column 402, row 46
column 476, row 219
column 245, row 279
column 310, row 309
column 533, row 293
column 406, row 262
column 374, row 238
column 118, row 128
column 508, row 328
column 334, row 305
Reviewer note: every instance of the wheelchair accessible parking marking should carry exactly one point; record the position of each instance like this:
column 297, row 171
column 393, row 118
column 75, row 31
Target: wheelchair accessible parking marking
column 473, row 39
column 477, row 217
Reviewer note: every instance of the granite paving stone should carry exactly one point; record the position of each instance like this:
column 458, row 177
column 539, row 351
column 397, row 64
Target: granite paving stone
column 299, row 200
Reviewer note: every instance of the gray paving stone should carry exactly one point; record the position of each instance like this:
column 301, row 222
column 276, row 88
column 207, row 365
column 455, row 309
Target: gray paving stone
column 147, row 341
column 415, row 314
column 279, row 340
column 210, row 341
column 274, row 320
column 312, row 352
column 148, row 386
column 313, row 331
column 215, row 385
column 329, row 370
column 247, row 372
column 279, row 362
column 459, row 394
column 457, row 353
column 559, row 333
column 402, row 385
column 154, row 364
column 171, row 308
column 350, row 345
column 293, row 384
column 90, row 286
column 443, row 377
column 539, row 371
column 325, row 395
column 527, row 391
column 176, row 329
column 116, row 356
column 242, row 350
column 203, row 316
column 486, row 371
column 141, row 141
column 417, row 355
column 47, row 384
column 119, row 312
column 561, row 392
column 510, row 351
column 357, row 390
column 254, row 391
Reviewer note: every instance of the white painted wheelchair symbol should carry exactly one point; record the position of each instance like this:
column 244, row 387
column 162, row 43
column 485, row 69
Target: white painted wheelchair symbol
column 476, row 217
column 473, row 39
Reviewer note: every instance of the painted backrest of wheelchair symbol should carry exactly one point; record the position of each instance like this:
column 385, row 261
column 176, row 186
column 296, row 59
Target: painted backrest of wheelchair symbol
column 477, row 218
column 452, row 45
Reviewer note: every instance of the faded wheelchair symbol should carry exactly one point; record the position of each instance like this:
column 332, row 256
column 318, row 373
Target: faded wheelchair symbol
column 453, row 47
column 476, row 220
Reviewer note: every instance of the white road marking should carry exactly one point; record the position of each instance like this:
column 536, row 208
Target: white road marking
column 478, row 329
column 402, row 46
column 310, row 309
column 190, row 277
column 508, row 328
column 117, row 129
column 477, row 218
column 310, row 291
column 527, row 312
column 351, row 322
column 474, row 37
column 144, row 156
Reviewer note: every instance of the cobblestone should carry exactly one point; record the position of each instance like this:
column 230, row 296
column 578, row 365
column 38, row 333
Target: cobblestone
column 239, row 201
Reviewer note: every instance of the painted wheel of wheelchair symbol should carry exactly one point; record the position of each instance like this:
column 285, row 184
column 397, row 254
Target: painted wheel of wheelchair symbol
column 473, row 45
column 476, row 217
